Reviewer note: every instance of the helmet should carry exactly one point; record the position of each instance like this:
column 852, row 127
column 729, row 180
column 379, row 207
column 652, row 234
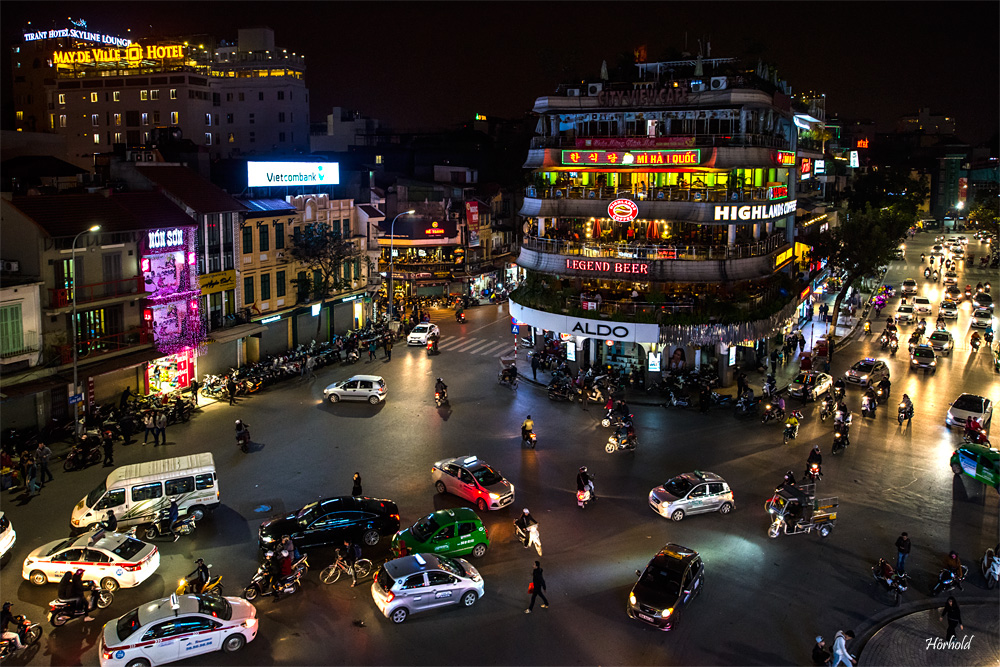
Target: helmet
column 789, row 474
column 199, row 561
column 816, row 448
column 583, row 468
column 819, row 638
column 529, row 416
column 440, row 380
column 8, row 605
column 80, row 570
column 526, row 511
column 284, row 554
column 238, row 422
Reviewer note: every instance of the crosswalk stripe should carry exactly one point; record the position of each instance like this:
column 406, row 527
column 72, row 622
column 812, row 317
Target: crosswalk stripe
column 497, row 347
column 469, row 344
column 481, row 347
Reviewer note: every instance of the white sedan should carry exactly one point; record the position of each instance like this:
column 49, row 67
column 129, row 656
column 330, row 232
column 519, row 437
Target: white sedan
column 922, row 305
column 948, row 309
column 904, row 314
column 114, row 560
column 421, row 332
column 175, row 628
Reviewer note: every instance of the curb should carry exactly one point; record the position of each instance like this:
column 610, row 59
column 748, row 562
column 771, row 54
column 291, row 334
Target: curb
column 872, row 626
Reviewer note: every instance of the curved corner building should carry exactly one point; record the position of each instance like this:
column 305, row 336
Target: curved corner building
column 660, row 215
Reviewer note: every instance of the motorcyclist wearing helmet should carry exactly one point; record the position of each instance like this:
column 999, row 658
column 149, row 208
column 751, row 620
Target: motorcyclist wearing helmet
column 7, row 620
column 198, row 579
column 872, row 397
column 525, row 521
column 789, row 480
column 241, row 427
column 816, row 456
column 527, row 427
column 584, row 482
column 907, row 405
column 792, row 422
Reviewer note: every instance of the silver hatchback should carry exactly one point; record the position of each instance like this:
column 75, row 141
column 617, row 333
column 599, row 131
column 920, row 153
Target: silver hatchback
column 416, row 583
column 692, row 493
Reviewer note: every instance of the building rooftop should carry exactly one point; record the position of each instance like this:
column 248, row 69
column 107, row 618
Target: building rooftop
column 67, row 215
column 188, row 187
column 371, row 211
column 260, row 208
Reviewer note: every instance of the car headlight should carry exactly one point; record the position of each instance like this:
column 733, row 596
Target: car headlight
column 933, row 363
column 495, row 496
column 267, row 539
column 666, row 612
column 631, row 599
column 864, row 377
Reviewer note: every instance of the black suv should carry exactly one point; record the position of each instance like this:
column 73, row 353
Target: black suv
column 669, row 583
column 331, row 521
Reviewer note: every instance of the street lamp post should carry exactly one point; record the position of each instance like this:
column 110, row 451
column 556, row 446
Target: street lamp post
column 76, row 381
column 392, row 259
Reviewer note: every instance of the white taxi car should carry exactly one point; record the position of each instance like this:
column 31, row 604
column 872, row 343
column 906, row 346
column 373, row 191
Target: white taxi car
column 7, row 538
column 421, row 333
column 175, row 628
column 921, row 305
column 468, row 477
column 114, row 560
column 904, row 314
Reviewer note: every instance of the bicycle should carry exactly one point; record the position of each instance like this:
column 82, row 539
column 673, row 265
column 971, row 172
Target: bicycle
column 331, row 574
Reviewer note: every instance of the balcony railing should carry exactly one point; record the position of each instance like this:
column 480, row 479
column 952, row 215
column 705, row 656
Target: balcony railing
column 672, row 193
column 218, row 321
column 60, row 298
column 656, row 251
column 14, row 348
column 87, row 349
column 694, row 141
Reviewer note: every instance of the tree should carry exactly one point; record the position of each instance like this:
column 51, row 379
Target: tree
column 864, row 240
column 888, row 186
column 986, row 214
column 322, row 251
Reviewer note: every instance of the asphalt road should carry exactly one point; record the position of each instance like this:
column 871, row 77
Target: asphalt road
column 763, row 599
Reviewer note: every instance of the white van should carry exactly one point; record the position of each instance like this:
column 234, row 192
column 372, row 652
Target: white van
column 136, row 493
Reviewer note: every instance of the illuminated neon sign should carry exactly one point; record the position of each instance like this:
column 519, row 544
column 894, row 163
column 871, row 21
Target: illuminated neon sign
column 607, row 267
column 761, row 212
column 264, row 174
column 633, row 158
column 623, row 210
column 777, row 192
column 133, row 55
column 786, row 159
column 165, row 239
column 435, row 229
column 82, row 35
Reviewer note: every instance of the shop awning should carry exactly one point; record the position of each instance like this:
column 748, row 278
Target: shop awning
column 234, row 333
column 33, row 386
column 118, row 363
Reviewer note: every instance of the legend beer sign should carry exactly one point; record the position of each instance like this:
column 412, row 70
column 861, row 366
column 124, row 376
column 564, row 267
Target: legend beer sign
column 600, row 266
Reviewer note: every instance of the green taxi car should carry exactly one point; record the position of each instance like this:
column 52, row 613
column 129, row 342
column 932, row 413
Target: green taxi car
column 979, row 462
column 452, row 532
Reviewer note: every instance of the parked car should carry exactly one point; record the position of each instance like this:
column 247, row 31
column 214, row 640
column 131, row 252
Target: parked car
column 359, row 519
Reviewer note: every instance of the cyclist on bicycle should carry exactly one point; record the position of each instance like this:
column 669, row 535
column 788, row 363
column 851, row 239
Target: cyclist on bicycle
column 349, row 554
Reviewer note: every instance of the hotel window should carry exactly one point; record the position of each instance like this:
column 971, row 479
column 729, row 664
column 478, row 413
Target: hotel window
column 145, row 119
column 173, row 93
column 156, row 117
column 174, row 117
column 281, row 136
column 260, row 96
column 145, row 137
column 208, row 138
column 62, row 98
column 144, row 95
column 281, row 116
column 93, row 97
column 279, row 284
column 347, row 229
column 229, row 119
column 265, row 286
column 251, row 119
column 265, row 240
column 378, row 159
column 279, row 236
column 232, row 138
column 248, row 290
column 117, row 95
column 154, row 94
column 118, row 137
column 252, row 139
column 281, row 94
column 242, row 97
column 208, row 119
column 118, row 119
column 95, row 120
column 229, row 97
column 20, row 115
column 97, row 137
column 52, row 121
column 247, row 240
column 62, row 120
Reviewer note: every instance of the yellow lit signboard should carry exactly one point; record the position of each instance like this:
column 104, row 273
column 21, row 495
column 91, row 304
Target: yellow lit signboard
column 133, row 55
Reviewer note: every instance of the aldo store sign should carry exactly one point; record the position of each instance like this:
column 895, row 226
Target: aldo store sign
column 579, row 326
column 268, row 174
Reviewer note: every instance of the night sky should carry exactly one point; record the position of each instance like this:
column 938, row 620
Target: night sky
column 425, row 65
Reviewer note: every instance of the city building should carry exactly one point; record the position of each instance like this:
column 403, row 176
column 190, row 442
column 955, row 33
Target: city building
column 132, row 286
column 659, row 219
column 99, row 91
column 343, row 128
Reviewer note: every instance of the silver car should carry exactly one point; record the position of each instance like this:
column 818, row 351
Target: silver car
column 421, row 332
column 922, row 305
column 909, row 286
column 982, row 318
column 904, row 314
column 369, row 388
column 692, row 493
column 810, row 384
column 941, row 341
column 948, row 309
column 416, row 583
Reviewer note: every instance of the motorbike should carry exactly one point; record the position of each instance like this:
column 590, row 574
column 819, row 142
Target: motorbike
column 352, row 357
column 460, row 318
column 28, row 632
column 881, row 395
column 812, row 473
column 675, row 400
column 771, row 412
column 947, row 580
column 895, row 582
column 893, row 347
column 615, row 419
column 243, row 438
column 432, row 348
column 927, row 273
column 990, row 566
column 213, row 587
column 839, row 391
column 561, row 392
column 161, row 526
column 791, row 431
column 841, row 436
column 529, row 537
column 260, row 583
column 621, row 442
column 82, row 454
column 529, row 439
column 884, row 339
column 974, row 343
column 904, row 413
column 441, row 398
column 586, row 494
column 61, row 611
column 826, row 408
column 868, row 406
column 747, row 406
column 868, row 328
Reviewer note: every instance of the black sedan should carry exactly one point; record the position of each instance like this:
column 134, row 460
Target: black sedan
column 331, row 521
column 670, row 582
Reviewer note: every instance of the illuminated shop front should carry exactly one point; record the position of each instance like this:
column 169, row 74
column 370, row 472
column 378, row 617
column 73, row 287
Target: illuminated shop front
column 172, row 310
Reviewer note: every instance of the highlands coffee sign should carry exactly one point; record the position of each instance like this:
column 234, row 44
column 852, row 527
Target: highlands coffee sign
column 753, row 213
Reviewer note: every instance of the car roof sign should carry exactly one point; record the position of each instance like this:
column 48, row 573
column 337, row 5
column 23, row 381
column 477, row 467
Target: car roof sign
column 469, row 459
column 419, row 559
column 175, row 603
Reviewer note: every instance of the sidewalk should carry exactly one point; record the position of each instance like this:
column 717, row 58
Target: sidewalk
column 911, row 639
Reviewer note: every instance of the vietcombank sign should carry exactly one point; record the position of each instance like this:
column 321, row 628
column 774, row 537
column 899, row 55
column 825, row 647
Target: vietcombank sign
column 265, row 174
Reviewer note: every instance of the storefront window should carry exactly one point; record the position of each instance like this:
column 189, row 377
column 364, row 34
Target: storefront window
column 171, row 373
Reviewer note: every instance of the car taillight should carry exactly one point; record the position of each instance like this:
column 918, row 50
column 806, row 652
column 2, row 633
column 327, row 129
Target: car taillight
column 486, row 530
column 389, row 597
column 130, row 567
column 394, row 516
column 106, row 651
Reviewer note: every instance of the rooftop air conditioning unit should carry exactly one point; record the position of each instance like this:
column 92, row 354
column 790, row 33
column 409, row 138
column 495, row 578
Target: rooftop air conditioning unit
column 719, row 83
column 11, row 266
column 594, row 88
column 572, row 92
column 697, row 86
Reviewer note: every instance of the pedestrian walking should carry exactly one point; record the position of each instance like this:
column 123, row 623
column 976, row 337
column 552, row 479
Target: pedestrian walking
column 388, row 349
column 371, row 351
column 741, row 384
column 109, row 451
column 126, row 395
column 311, row 366
column 536, row 587
column 304, row 369
column 954, row 616
column 231, row 388
column 194, row 391
column 534, row 366
column 840, row 654
column 586, row 397
column 821, row 655
column 150, row 425
column 812, row 312
column 31, row 478
column 902, row 551
column 356, row 489
column 704, row 398
column 42, row 455
column 802, row 339
column 161, row 429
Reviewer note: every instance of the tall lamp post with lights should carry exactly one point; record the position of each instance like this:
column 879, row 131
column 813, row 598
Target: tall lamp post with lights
column 392, row 259
column 76, row 352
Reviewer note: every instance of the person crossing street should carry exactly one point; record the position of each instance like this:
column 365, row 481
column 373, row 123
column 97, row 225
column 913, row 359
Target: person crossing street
column 536, row 587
